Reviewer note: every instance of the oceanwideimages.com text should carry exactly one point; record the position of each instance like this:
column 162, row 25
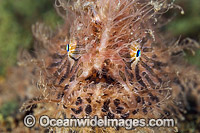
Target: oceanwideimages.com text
column 46, row 121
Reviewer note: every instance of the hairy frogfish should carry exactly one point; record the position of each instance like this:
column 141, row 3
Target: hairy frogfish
column 110, row 58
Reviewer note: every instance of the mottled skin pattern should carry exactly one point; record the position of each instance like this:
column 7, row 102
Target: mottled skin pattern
column 100, row 73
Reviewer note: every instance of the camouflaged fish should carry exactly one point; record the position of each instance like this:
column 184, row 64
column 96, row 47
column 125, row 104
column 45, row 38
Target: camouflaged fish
column 110, row 59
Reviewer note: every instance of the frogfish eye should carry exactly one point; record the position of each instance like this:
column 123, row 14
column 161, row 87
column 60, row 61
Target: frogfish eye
column 138, row 54
column 67, row 48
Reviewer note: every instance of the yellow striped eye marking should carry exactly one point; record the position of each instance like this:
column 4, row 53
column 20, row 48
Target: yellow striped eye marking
column 132, row 53
column 71, row 47
column 135, row 52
